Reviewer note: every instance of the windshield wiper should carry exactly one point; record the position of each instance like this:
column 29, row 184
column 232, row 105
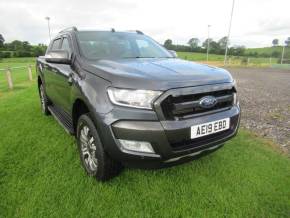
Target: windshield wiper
column 140, row 57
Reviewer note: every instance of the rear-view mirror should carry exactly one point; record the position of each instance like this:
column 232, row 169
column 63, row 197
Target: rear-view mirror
column 173, row 53
column 58, row 56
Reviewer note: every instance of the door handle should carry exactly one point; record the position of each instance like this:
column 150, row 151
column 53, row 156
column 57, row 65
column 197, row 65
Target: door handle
column 70, row 79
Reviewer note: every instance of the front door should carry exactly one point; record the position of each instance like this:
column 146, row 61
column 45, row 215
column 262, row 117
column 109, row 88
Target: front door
column 62, row 84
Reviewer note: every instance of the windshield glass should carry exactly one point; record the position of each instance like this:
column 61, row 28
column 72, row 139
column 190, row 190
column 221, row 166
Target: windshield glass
column 119, row 45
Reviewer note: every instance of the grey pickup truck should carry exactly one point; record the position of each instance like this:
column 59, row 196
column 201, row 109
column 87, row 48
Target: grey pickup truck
column 131, row 102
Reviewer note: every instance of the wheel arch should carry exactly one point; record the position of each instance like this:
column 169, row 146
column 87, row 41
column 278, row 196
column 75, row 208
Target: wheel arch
column 39, row 81
column 79, row 108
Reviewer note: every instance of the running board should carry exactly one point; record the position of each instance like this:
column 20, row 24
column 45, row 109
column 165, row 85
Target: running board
column 62, row 118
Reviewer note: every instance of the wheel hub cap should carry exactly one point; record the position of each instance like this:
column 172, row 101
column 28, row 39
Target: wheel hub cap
column 88, row 148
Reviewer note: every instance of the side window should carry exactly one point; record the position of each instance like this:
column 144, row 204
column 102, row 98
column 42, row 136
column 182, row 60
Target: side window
column 55, row 44
column 65, row 45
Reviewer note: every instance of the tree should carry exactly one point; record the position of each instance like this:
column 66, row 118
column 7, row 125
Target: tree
column 39, row 50
column 214, row 47
column 276, row 54
column 240, row 51
column 1, row 41
column 275, row 42
column 26, row 46
column 205, row 43
column 287, row 42
column 223, row 42
column 193, row 42
column 168, row 44
column 14, row 45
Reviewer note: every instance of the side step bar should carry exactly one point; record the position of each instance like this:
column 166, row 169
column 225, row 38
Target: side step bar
column 62, row 118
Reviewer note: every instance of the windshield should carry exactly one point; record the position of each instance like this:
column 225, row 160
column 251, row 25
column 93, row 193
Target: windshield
column 119, row 45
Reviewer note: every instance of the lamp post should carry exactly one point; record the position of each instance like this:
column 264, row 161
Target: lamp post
column 207, row 50
column 283, row 51
column 228, row 38
column 48, row 24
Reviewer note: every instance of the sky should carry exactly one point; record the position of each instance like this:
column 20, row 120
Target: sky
column 255, row 22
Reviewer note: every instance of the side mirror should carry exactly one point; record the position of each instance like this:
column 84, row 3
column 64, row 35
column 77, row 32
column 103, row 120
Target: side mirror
column 58, row 56
column 173, row 53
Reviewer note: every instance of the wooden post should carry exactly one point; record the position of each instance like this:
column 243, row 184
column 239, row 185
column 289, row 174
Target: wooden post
column 29, row 72
column 248, row 62
column 9, row 78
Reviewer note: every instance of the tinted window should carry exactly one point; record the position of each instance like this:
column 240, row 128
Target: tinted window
column 65, row 45
column 55, row 44
column 118, row 45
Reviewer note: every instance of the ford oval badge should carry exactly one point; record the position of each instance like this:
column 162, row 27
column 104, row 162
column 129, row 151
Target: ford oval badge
column 207, row 102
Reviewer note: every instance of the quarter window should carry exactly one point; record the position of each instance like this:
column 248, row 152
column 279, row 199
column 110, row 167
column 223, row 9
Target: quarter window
column 55, row 44
column 65, row 45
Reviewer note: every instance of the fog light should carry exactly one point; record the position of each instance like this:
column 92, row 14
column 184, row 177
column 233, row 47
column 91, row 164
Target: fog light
column 138, row 146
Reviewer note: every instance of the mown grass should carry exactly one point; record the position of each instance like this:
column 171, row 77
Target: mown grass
column 219, row 59
column 269, row 50
column 41, row 176
column 19, row 76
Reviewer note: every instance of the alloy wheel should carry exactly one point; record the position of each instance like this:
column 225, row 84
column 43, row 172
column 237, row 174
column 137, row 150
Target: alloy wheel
column 42, row 99
column 88, row 149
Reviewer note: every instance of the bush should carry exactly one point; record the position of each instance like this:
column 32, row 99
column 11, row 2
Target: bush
column 23, row 53
column 244, row 61
column 5, row 54
column 276, row 54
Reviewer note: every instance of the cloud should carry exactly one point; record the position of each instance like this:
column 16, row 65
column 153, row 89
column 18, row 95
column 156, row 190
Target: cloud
column 255, row 22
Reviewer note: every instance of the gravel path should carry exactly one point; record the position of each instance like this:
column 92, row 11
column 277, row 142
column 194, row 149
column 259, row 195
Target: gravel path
column 265, row 100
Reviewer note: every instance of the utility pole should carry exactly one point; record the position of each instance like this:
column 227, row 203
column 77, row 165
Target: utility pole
column 208, row 43
column 228, row 39
column 48, row 24
column 283, row 51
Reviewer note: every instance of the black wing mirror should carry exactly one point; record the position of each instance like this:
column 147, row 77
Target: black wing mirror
column 58, row 56
column 173, row 53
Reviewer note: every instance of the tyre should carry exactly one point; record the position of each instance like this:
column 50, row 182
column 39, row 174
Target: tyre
column 43, row 101
column 94, row 159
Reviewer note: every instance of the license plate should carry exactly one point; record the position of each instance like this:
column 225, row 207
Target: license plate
column 209, row 128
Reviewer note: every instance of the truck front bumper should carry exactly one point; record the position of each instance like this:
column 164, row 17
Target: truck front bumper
column 169, row 139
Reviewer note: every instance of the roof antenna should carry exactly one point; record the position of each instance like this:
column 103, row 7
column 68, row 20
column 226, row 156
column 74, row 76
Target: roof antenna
column 113, row 30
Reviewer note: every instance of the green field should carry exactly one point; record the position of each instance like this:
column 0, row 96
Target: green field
column 194, row 56
column 19, row 76
column 41, row 176
column 219, row 59
column 253, row 61
column 269, row 50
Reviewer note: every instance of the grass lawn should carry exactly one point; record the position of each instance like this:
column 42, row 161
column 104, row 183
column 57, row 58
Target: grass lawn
column 219, row 59
column 270, row 50
column 41, row 176
column 19, row 76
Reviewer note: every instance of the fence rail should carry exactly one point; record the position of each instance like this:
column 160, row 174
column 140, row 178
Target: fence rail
column 8, row 72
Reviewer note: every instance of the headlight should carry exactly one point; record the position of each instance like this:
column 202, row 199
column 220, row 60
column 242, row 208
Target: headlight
column 133, row 98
